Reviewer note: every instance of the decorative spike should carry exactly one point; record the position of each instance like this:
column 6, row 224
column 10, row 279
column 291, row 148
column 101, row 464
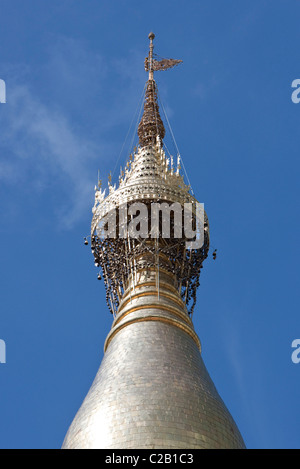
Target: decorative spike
column 151, row 124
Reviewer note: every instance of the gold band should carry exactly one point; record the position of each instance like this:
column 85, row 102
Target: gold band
column 155, row 318
column 152, row 293
column 169, row 309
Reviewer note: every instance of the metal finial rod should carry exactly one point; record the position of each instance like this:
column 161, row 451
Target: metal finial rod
column 151, row 37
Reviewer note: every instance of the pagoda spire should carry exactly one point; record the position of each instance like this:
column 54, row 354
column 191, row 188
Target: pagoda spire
column 151, row 125
column 152, row 389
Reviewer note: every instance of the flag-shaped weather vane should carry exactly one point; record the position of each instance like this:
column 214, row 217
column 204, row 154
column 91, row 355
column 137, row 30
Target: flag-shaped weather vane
column 153, row 65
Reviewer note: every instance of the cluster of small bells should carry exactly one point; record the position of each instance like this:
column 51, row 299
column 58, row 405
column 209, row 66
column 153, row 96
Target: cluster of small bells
column 214, row 255
column 96, row 263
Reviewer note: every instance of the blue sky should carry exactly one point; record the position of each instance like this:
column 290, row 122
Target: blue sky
column 74, row 76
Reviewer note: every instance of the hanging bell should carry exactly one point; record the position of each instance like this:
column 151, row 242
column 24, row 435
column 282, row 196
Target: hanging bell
column 86, row 241
column 99, row 277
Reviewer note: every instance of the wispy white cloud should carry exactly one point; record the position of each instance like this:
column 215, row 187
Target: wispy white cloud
column 67, row 118
column 42, row 141
column 43, row 138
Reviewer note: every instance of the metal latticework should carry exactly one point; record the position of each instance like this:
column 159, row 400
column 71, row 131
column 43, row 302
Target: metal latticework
column 121, row 259
column 151, row 124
